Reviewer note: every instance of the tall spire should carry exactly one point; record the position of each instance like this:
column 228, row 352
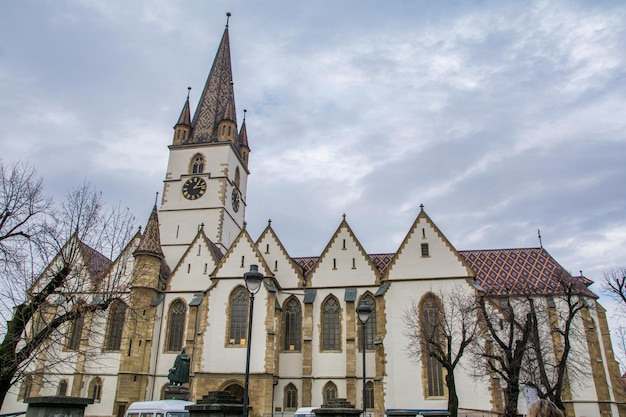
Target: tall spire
column 218, row 97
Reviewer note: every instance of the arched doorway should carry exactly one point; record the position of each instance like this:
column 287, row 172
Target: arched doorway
column 235, row 390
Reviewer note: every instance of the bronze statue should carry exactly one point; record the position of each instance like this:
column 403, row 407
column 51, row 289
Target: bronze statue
column 179, row 373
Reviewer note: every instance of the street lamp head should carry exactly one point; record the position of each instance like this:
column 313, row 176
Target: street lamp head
column 253, row 279
column 364, row 311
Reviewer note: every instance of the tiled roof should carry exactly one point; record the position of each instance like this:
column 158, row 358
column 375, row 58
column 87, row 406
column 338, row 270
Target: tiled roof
column 94, row 260
column 499, row 271
column 380, row 260
column 217, row 97
column 520, row 271
column 306, row 263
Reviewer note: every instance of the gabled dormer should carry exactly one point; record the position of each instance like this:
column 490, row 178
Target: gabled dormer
column 425, row 253
column 288, row 273
column 344, row 262
column 226, row 130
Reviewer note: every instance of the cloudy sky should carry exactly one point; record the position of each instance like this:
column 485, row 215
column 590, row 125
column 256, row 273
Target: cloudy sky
column 502, row 118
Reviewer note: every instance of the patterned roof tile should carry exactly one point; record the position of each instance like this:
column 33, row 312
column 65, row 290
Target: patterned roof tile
column 500, row 271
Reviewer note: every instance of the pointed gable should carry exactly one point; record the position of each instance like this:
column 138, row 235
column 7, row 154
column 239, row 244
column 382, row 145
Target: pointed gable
column 287, row 272
column 196, row 265
column 238, row 258
column 217, row 99
column 426, row 253
column 343, row 262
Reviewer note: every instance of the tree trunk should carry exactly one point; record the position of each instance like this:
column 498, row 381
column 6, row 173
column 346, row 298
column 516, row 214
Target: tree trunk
column 453, row 399
column 5, row 385
column 511, row 394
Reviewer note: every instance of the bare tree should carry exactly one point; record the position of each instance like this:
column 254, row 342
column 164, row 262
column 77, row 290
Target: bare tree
column 614, row 286
column 558, row 333
column 507, row 325
column 442, row 330
column 57, row 270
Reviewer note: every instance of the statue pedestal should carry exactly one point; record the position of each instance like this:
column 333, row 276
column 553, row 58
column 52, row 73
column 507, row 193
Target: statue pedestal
column 217, row 404
column 337, row 407
column 174, row 392
column 57, row 406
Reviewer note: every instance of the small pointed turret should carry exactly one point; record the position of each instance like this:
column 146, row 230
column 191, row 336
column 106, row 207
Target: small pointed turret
column 242, row 140
column 227, row 127
column 150, row 243
column 217, row 99
column 182, row 129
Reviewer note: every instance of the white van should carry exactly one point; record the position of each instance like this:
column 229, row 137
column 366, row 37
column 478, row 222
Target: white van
column 163, row 408
column 305, row 412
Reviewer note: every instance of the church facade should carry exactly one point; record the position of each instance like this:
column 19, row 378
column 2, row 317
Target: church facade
column 186, row 289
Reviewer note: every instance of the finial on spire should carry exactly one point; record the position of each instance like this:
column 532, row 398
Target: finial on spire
column 581, row 273
column 188, row 91
column 539, row 236
column 202, row 226
column 269, row 221
column 344, row 216
column 244, row 225
column 244, row 114
column 227, row 18
column 156, row 198
column 421, row 207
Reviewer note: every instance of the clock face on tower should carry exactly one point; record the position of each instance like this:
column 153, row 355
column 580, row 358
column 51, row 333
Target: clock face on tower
column 194, row 188
column 235, row 200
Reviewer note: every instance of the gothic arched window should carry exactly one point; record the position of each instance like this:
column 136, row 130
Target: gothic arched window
column 62, row 389
column 76, row 331
column 237, row 177
column 197, row 164
column 330, row 324
column 115, row 326
column 176, row 326
column 95, row 389
column 369, row 395
column 430, row 318
column 238, row 316
column 290, row 397
column 330, row 392
column 293, row 324
column 370, row 326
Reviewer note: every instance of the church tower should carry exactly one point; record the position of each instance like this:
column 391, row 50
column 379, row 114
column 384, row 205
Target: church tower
column 148, row 279
column 206, row 180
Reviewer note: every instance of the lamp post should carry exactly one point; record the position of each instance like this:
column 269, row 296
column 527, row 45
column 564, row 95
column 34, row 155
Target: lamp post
column 253, row 281
column 364, row 311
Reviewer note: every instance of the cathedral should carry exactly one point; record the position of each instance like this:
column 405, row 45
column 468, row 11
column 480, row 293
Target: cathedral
column 186, row 269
